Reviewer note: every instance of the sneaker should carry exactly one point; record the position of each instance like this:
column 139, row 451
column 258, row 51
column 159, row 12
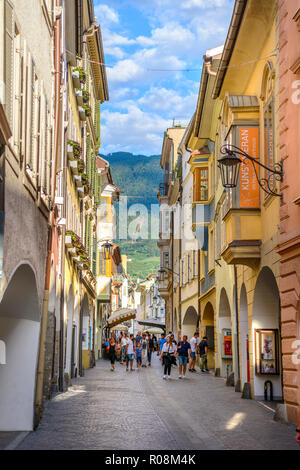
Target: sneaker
column 206, row 370
column 194, row 370
column 203, row 371
column 180, row 377
column 127, row 369
column 165, row 377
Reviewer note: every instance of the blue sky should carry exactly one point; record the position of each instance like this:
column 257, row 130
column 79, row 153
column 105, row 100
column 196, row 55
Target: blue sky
column 148, row 44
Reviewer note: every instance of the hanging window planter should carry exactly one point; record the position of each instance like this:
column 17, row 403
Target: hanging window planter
column 87, row 110
column 74, row 167
column 79, row 96
column 82, row 114
column 80, row 191
column 78, row 180
column 80, row 73
column 73, row 150
column 85, row 96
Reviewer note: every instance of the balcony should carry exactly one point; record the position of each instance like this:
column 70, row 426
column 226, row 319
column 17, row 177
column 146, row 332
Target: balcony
column 164, row 289
column 163, row 190
column 243, row 233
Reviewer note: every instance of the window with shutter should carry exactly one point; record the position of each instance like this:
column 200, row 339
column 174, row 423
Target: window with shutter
column 17, row 93
column 9, row 61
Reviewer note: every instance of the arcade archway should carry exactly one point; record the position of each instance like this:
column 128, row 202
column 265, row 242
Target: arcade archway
column 189, row 324
column 225, row 335
column 19, row 330
column 266, row 316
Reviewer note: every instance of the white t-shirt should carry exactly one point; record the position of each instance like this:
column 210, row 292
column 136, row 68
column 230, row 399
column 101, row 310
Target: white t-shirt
column 130, row 347
column 124, row 341
column 170, row 348
column 193, row 341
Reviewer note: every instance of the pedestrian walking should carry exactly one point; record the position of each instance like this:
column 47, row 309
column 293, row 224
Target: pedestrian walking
column 168, row 352
column 123, row 348
column 203, row 348
column 130, row 353
column 112, row 352
column 161, row 342
column 194, row 342
column 144, row 344
column 183, row 348
column 138, row 355
column 150, row 349
column 138, row 338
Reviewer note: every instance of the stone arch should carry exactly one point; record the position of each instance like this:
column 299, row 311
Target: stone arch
column 208, row 329
column 266, row 315
column 84, row 334
column 19, row 330
column 244, row 334
column 225, row 326
column 68, row 330
column 51, row 336
column 189, row 324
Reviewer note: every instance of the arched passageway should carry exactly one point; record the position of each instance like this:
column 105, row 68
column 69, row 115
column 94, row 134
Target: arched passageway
column 189, row 324
column 84, row 339
column 209, row 331
column 225, row 335
column 68, row 331
column 244, row 336
column 19, row 330
column 266, row 316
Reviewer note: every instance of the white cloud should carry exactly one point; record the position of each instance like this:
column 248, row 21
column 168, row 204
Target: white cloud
column 202, row 4
column 115, row 39
column 134, row 131
column 169, row 102
column 106, row 14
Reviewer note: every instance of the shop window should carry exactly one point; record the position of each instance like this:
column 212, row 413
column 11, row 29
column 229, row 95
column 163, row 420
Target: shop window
column 201, row 185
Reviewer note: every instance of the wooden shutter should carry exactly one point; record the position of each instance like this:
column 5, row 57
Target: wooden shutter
column 9, row 61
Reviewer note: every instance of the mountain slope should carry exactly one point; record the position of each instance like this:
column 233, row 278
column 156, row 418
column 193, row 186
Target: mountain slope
column 138, row 177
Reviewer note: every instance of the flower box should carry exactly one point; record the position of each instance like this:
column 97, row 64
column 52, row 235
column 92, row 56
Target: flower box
column 76, row 78
column 80, row 191
column 78, row 180
column 74, row 167
column 72, row 252
column 69, row 241
column 79, row 97
column 82, row 114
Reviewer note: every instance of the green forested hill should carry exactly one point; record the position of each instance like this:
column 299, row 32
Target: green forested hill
column 138, row 177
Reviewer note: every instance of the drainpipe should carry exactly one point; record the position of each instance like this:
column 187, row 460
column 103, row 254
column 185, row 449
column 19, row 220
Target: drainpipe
column 44, row 319
column 199, row 287
column 172, row 313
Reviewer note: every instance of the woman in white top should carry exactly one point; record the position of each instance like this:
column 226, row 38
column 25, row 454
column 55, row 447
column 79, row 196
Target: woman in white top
column 169, row 351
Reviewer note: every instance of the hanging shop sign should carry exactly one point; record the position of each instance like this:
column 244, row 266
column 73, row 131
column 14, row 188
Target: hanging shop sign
column 249, row 188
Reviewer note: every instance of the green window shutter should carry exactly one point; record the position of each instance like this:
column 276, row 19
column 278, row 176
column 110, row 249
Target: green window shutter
column 94, row 260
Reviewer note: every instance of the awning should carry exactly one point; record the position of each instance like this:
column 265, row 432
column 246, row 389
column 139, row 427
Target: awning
column 120, row 328
column 119, row 316
column 152, row 322
column 154, row 331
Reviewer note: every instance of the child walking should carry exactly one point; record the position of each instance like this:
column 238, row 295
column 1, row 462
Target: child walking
column 138, row 352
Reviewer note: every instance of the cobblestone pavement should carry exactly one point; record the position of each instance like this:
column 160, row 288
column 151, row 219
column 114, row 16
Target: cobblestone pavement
column 138, row 410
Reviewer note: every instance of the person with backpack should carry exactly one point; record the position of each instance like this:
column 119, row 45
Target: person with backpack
column 183, row 356
column 144, row 344
column 203, row 348
column 168, row 352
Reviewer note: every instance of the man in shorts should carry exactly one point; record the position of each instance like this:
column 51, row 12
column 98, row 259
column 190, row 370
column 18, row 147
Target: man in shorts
column 194, row 342
column 130, row 353
column 183, row 349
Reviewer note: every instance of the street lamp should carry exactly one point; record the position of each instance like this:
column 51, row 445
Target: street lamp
column 230, row 163
column 108, row 250
column 163, row 271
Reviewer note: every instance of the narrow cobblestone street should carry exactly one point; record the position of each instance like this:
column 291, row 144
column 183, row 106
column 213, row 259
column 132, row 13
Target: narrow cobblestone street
column 138, row 410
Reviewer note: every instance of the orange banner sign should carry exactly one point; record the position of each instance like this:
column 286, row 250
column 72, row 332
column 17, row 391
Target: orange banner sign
column 249, row 188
